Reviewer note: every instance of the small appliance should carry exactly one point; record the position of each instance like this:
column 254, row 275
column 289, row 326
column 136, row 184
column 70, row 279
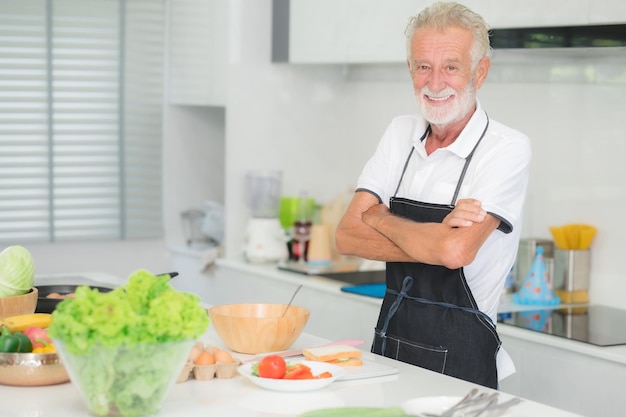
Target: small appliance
column 266, row 240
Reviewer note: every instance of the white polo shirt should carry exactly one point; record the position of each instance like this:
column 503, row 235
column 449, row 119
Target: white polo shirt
column 497, row 176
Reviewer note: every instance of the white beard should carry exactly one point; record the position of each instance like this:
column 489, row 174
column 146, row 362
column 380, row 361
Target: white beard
column 452, row 111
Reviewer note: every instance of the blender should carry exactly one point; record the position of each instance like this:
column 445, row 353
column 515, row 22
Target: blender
column 266, row 240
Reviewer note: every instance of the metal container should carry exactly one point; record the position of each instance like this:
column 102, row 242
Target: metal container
column 526, row 254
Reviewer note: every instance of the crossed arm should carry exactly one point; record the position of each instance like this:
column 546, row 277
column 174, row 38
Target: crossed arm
column 369, row 230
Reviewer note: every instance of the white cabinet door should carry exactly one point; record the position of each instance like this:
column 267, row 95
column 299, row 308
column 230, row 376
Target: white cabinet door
column 607, row 12
column 198, row 52
column 505, row 14
column 377, row 28
column 319, row 30
column 348, row 31
column 565, row 379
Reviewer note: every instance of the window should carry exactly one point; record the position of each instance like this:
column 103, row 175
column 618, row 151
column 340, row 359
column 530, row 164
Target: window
column 80, row 119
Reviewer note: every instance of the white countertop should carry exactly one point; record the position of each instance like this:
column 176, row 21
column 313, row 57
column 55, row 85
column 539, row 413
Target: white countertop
column 241, row 398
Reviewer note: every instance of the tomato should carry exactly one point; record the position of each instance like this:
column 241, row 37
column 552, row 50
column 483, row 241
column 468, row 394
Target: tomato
column 272, row 366
column 324, row 374
column 298, row 371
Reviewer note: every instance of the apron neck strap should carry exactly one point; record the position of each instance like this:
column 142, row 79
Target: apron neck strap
column 467, row 162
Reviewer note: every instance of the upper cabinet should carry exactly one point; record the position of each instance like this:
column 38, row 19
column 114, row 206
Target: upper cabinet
column 508, row 14
column 347, row 30
column 198, row 52
column 607, row 12
column 372, row 31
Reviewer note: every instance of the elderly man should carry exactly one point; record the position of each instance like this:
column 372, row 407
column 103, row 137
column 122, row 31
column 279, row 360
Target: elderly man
column 441, row 202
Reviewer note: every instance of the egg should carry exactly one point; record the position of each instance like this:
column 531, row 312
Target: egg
column 205, row 358
column 222, row 356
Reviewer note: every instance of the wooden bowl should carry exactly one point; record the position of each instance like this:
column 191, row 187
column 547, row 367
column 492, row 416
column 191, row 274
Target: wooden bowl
column 19, row 304
column 258, row 328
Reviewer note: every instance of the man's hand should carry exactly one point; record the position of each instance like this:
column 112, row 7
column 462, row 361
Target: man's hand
column 466, row 212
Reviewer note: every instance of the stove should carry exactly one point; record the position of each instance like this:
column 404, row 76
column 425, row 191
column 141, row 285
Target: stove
column 594, row 324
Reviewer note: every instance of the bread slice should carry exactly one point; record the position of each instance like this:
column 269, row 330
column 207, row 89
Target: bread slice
column 342, row 355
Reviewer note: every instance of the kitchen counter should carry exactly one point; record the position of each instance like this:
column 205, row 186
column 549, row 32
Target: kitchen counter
column 239, row 397
column 565, row 374
column 610, row 353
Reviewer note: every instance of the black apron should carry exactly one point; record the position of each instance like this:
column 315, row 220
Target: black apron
column 429, row 317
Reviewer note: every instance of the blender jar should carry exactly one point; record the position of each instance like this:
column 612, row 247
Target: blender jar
column 264, row 188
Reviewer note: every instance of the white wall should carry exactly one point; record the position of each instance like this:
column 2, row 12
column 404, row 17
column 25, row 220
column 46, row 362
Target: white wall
column 319, row 124
column 193, row 170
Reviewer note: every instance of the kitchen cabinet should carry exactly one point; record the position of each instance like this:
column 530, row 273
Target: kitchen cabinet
column 372, row 31
column 348, row 31
column 565, row 379
column 506, row 14
column 607, row 12
column 198, row 52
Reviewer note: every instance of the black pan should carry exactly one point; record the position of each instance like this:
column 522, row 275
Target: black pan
column 47, row 305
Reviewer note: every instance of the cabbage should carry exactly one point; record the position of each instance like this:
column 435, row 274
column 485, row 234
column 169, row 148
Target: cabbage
column 17, row 271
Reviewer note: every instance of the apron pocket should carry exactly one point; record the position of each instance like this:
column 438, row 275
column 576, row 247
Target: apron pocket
column 425, row 356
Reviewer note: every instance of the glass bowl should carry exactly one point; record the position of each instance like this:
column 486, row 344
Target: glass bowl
column 125, row 381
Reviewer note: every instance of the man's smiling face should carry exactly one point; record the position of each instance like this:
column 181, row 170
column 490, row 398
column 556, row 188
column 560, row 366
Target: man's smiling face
column 444, row 81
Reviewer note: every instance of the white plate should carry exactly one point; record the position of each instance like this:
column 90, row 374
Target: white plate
column 435, row 405
column 295, row 385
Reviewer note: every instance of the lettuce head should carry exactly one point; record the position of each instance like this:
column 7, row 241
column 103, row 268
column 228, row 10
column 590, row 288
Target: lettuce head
column 146, row 310
column 17, row 271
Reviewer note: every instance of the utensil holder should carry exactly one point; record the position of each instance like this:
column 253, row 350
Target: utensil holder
column 572, row 270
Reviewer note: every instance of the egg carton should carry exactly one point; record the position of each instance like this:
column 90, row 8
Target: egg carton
column 220, row 369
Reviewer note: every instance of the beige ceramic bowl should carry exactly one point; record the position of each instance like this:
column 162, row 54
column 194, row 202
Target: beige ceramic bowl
column 258, row 328
column 19, row 304
column 31, row 369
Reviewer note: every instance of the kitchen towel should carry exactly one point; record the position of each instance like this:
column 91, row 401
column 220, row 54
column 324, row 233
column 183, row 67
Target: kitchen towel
column 376, row 290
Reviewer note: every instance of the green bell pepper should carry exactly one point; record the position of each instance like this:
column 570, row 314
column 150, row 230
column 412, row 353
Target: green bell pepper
column 14, row 342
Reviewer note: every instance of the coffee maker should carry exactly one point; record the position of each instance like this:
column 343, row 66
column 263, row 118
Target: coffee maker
column 266, row 240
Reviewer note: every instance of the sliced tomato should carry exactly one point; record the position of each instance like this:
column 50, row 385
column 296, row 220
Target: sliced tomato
column 324, row 374
column 298, row 371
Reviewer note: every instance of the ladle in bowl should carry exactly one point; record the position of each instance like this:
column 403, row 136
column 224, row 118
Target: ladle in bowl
column 290, row 301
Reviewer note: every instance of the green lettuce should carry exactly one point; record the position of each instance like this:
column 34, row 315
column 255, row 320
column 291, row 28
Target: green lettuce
column 147, row 309
column 124, row 348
